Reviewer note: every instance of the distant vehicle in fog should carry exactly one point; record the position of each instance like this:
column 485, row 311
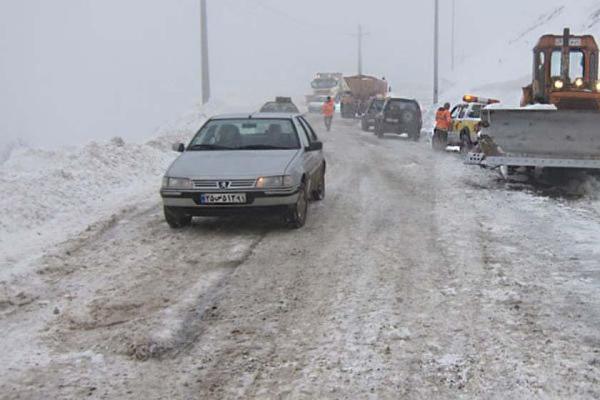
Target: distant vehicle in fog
column 280, row 105
column 359, row 90
column 326, row 84
column 399, row 116
column 246, row 163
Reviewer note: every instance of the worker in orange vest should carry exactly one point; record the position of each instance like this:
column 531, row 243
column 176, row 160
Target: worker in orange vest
column 443, row 122
column 328, row 111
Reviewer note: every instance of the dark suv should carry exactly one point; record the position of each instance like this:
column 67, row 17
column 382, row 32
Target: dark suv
column 374, row 107
column 400, row 116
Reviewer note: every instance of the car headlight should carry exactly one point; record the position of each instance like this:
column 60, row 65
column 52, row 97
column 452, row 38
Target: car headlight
column 177, row 183
column 598, row 86
column 274, row 181
column 579, row 82
column 559, row 84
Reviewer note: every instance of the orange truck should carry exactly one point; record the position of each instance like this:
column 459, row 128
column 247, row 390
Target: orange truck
column 357, row 93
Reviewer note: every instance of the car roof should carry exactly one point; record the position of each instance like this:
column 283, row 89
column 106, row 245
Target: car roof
column 400, row 98
column 256, row 115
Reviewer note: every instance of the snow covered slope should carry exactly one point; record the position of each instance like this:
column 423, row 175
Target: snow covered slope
column 504, row 67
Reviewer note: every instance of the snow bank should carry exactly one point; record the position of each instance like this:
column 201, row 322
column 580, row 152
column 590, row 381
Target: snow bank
column 50, row 195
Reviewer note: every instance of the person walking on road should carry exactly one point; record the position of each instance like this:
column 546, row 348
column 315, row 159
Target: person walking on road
column 443, row 122
column 328, row 111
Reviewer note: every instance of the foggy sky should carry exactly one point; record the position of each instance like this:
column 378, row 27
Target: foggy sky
column 75, row 70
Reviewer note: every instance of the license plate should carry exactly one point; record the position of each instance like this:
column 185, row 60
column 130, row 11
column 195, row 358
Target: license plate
column 392, row 120
column 225, row 198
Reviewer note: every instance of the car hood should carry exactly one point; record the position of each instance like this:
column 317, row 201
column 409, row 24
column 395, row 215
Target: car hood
column 231, row 164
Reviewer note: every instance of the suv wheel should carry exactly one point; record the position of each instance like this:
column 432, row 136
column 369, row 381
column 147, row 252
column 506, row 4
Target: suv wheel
column 176, row 219
column 319, row 193
column 296, row 216
column 414, row 136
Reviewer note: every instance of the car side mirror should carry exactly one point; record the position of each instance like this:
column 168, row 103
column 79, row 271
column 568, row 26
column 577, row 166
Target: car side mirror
column 315, row 146
column 178, row 147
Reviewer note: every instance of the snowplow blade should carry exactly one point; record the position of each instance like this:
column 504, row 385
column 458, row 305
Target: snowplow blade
column 544, row 133
column 539, row 136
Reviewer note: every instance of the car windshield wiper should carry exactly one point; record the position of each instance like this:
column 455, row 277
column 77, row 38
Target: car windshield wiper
column 263, row 147
column 209, row 147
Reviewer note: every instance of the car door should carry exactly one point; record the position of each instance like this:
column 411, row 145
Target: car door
column 455, row 126
column 313, row 159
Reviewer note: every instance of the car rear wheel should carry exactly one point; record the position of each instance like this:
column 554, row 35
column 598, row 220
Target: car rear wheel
column 414, row 135
column 176, row 219
column 296, row 216
column 319, row 193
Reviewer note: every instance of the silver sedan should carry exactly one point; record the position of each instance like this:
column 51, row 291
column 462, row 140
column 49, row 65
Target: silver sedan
column 246, row 163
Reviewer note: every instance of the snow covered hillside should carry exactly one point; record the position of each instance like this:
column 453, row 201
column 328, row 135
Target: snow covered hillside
column 504, row 67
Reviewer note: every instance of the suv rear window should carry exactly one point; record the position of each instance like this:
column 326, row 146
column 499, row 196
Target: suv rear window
column 397, row 106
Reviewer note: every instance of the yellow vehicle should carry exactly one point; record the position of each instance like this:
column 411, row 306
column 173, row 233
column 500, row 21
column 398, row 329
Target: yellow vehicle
column 466, row 121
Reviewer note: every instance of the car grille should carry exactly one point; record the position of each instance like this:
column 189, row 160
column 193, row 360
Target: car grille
column 224, row 184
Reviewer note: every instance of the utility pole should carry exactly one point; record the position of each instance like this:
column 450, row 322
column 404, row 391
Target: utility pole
column 360, row 36
column 453, row 32
column 205, row 64
column 436, row 50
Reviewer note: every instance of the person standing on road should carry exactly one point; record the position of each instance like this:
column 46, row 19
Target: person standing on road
column 328, row 111
column 443, row 122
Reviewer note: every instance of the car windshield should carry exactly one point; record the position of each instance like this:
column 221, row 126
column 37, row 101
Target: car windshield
column 246, row 134
column 398, row 106
column 279, row 108
column 324, row 83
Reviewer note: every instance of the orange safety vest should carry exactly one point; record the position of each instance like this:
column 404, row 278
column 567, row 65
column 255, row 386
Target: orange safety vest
column 443, row 120
column 329, row 108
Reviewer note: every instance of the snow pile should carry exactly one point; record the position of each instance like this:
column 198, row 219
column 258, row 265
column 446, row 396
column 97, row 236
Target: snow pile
column 504, row 67
column 49, row 195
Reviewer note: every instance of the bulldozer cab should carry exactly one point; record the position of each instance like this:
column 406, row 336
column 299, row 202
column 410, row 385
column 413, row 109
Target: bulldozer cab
column 565, row 72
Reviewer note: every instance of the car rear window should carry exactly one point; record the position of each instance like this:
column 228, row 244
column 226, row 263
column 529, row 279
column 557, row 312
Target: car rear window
column 397, row 106
column 246, row 134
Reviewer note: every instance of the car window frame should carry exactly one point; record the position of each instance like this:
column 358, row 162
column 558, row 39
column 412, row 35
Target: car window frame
column 302, row 133
column 312, row 135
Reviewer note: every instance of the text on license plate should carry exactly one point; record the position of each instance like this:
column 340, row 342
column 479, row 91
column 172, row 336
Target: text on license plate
column 228, row 198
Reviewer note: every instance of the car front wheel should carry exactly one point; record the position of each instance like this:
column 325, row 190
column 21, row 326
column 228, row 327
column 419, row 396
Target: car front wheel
column 176, row 219
column 296, row 216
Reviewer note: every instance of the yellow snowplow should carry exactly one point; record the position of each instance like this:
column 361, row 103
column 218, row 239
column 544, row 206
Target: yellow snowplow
column 558, row 123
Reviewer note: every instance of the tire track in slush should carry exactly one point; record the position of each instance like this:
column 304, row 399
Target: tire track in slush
column 167, row 343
